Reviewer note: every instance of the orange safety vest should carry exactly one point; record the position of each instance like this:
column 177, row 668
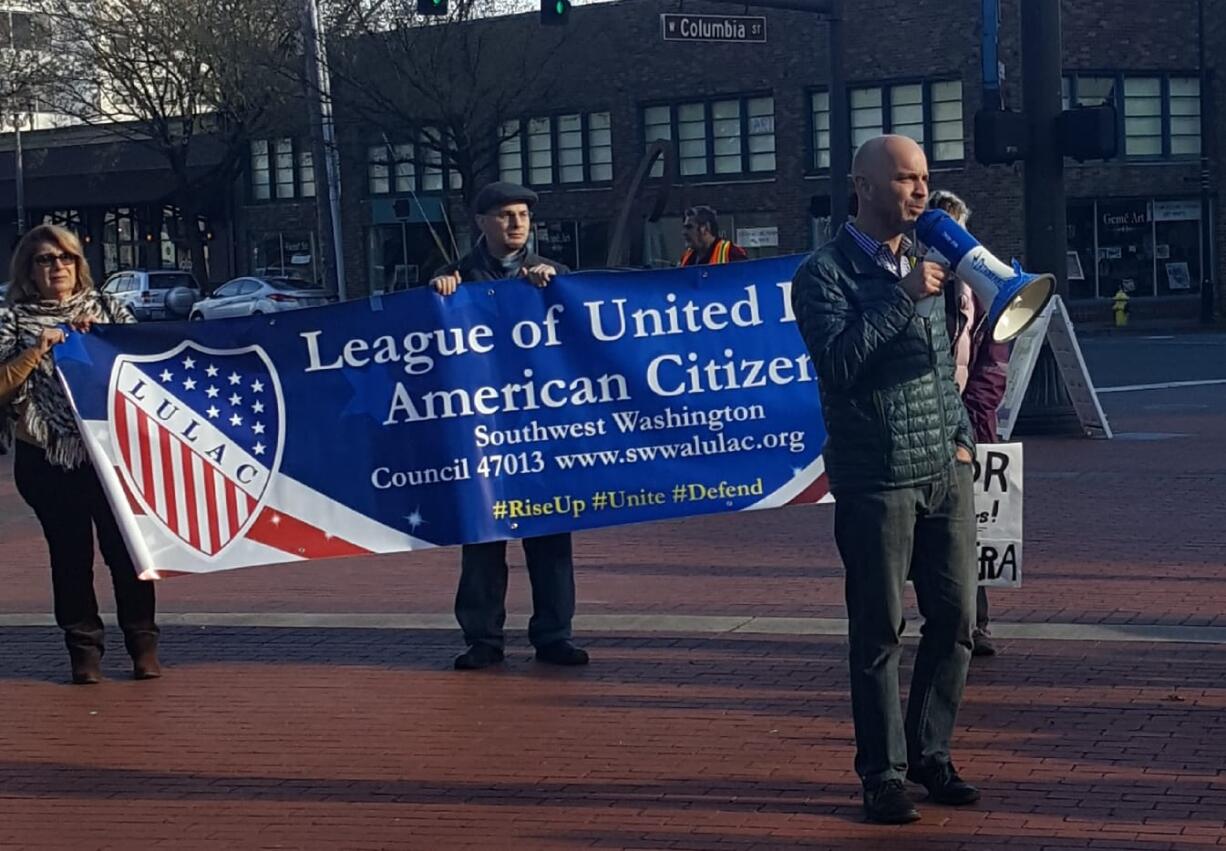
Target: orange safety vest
column 718, row 255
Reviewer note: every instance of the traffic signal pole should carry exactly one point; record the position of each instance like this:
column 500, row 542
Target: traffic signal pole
column 1046, row 216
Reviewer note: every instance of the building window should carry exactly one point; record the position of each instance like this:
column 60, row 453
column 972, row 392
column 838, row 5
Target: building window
column 289, row 254
column 540, row 152
column 928, row 112
column 1161, row 114
column 907, row 111
column 867, row 118
column 726, row 135
column 511, row 154
column 1092, row 91
column 404, row 166
column 432, row 157
column 281, row 169
column 261, row 172
column 23, row 31
column 1140, row 246
column 570, row 148
column 1143, row 117
column 394, row 169
column 692, row 138
column 761, row 133
column 120, row 240
column 306, row 174
column 1184, row 101
column 563, row 149
column 729, row 136
column 819, row 121
column 945, row 109
column 454, row 179
column 600, row 147
column 70, row 219
column 657, row 126
column 377, row 179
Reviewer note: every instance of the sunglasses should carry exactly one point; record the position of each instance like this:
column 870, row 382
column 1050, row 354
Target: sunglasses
column 46, row 261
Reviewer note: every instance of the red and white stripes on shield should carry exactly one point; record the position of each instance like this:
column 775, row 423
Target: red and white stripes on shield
column 182, row 487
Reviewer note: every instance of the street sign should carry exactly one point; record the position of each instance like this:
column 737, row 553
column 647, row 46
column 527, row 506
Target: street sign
column 734, row 28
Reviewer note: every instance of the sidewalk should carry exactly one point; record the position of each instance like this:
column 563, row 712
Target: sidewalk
column 356, row 739
column 343, row 728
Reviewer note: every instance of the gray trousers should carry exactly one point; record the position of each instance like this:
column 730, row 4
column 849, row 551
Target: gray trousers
column 929, row 532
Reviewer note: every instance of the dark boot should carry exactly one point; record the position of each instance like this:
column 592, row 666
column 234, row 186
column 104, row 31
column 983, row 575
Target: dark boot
column 145, row 665
column 86, row 665
column 143, row 648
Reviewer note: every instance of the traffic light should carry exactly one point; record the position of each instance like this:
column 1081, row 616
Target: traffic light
column 431, row 7
column 555, row 13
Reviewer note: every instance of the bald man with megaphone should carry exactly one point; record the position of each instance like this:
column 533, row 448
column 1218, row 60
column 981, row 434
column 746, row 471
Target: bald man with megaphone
column 899, row 457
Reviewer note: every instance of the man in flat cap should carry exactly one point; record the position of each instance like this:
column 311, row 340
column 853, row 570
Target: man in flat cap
column 504, row 215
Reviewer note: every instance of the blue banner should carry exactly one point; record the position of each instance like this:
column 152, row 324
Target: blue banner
column 414, row 420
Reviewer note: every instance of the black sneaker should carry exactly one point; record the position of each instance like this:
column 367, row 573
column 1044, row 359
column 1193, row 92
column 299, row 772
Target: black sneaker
column 561, row 653
column 944, row 785
column 477, row 657
column 887, row 803
column 983, row 645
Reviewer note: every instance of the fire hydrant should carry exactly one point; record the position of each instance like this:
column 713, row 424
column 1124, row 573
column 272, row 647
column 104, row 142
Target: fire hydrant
column 1120, row 306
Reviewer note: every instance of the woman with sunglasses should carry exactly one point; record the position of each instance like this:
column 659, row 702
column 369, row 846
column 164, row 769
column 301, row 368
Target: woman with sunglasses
column 52, row 287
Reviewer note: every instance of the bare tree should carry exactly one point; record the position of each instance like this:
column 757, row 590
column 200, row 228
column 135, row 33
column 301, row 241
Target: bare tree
column 179, row 77
column 451, row 84
column 26, row 66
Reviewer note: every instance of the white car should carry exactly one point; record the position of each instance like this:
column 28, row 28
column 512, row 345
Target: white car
column 156, row 294
column 257, row 296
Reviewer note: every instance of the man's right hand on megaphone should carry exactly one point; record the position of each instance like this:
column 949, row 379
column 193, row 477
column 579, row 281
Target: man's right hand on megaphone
column 926, row 279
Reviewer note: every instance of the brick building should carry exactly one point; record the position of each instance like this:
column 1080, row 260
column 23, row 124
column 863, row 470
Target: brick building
column 749, row 124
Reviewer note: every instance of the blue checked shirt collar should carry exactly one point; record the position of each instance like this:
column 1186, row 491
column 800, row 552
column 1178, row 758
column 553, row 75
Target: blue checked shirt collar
column 880, row 253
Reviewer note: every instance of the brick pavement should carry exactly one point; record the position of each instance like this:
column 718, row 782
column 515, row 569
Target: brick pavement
column 357, row 739
column 339, row 738
column 1117, row 532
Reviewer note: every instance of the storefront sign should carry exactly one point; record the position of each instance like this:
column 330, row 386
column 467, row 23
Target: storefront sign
column 1177, row 211
column 767, row 237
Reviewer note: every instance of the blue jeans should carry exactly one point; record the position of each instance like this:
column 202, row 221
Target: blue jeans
column 929, row 532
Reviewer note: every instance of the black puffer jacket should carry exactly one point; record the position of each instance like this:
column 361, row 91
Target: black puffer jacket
column 892, row 410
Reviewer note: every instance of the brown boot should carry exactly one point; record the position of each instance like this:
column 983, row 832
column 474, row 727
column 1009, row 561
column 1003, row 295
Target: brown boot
column 145, row 664
column 86, row 666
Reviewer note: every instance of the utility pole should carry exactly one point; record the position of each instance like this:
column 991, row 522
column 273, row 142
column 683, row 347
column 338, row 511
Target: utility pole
column 1046, row 217
column 840, row 119
column 323, row 151
column 1207, row 275
column 19, row 173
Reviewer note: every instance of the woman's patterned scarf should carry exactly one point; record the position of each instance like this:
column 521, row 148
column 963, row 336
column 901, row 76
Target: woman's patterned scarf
column 44, row 410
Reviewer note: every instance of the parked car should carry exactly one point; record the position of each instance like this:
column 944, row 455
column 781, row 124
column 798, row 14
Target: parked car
column 156, row 294
column 256, row 296
column 298, row 273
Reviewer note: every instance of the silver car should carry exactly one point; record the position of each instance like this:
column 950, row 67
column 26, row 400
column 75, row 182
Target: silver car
column 257, row 296
column 156, row 294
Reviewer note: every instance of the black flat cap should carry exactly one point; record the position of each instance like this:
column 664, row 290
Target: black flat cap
column 496, row 194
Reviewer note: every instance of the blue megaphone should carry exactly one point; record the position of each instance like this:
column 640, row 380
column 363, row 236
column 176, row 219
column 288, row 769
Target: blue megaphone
column 1014, row 298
